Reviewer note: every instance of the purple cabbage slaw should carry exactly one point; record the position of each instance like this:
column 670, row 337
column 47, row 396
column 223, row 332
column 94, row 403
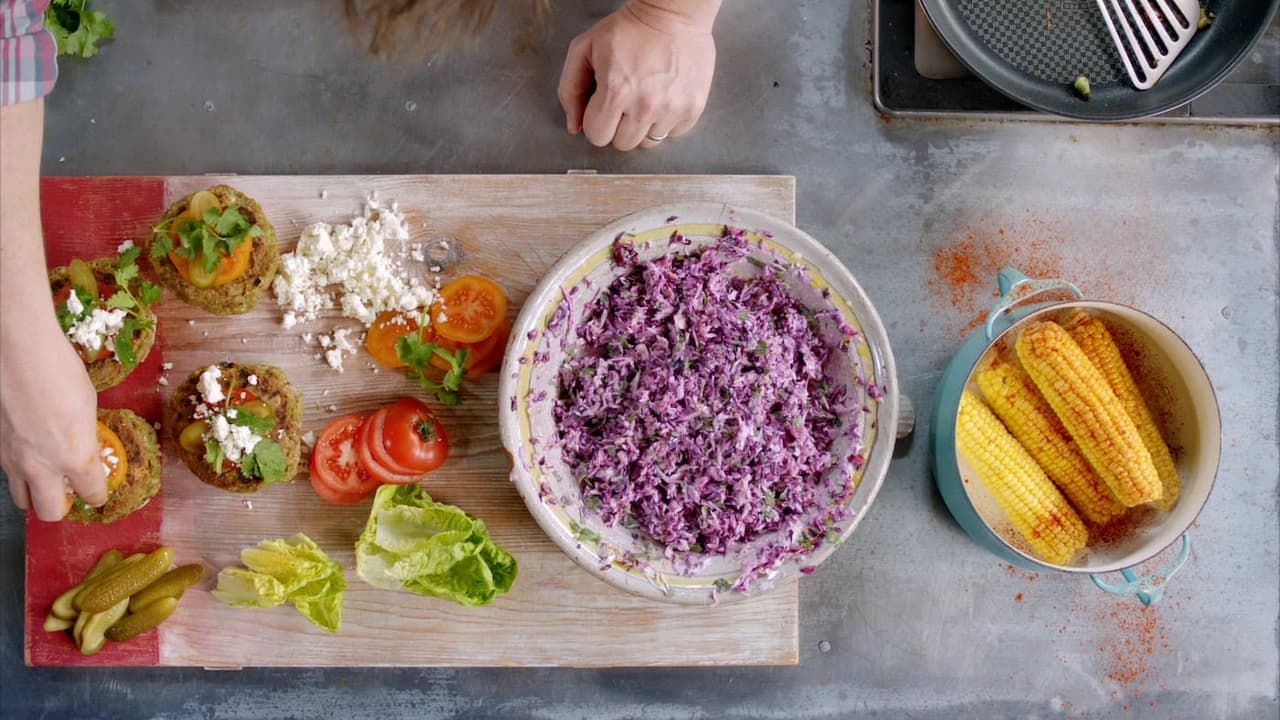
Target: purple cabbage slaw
column 696, row 405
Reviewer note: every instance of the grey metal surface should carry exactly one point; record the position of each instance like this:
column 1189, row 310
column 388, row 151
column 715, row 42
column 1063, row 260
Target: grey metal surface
column 910, row 618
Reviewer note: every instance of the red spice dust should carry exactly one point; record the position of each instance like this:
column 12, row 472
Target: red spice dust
column 963, row 268
column 1018, row 597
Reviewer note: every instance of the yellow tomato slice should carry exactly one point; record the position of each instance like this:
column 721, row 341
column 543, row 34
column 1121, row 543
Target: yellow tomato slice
column 116, row 462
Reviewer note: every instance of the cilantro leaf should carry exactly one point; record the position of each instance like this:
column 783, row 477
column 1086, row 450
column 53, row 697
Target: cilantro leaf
column 417, row 353
column 150, row 293
column 122, row 300
column 162, row 245
column 208, row 239
column 65, row 317
column 129, row 256
column 214, row 455
column 124, row 342
column 267, row 461
column 257, row 425
column 76, row 29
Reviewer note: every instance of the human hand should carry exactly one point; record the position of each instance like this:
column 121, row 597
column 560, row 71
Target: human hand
column 48, row 421
column 642, row 73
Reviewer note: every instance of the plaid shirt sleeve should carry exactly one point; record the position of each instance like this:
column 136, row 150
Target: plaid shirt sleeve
column 28, row 53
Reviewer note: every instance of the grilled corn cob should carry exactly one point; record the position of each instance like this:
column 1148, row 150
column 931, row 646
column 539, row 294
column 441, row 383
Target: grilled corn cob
column 1093, row 338
column 1016, row 401
column 1090, row 411
column 1038, row 511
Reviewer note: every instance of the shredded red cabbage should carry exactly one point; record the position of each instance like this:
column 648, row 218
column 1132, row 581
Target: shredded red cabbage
column 696, row 406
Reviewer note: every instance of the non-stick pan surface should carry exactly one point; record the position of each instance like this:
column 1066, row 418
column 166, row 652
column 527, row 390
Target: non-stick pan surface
column 1032, row 51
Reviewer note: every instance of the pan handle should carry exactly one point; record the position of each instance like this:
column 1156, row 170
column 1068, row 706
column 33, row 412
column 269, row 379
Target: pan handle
column 1016, row 288
column 1148, row 588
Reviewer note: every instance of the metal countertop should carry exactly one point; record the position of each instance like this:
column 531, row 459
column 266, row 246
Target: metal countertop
column 910, row 618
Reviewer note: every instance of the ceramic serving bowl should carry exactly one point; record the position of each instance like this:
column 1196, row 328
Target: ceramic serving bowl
column 1180, row 396
column 529, row 387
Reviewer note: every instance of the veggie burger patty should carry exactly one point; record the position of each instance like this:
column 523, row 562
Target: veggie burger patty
column 107, row 372
column 269, row 385
column 142, row 479
column 241, row 294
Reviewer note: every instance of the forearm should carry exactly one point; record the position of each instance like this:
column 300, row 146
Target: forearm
column 22, row 265
column 680, row 16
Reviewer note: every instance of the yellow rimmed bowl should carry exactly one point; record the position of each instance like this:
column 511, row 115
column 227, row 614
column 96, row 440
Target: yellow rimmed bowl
column 544, row 337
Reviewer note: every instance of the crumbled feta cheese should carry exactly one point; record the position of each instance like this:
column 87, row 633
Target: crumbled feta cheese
column 109, row 460
column 204, row 333
column 202, row 411
column 232, row 413
column 162, row 381
column 418, row 253
column 209, row 387
column 236, row 440
column 248, row 504
column 252, row 379
column 74, row 306
column 166, row 366
column 332, row 408
column 309, row 438
column 96, row 329
column 339, row 346
column 324, row 194
column 192, row 323
column 124, row 247
column 244, row 341
column 307, row 338
column 350, row 261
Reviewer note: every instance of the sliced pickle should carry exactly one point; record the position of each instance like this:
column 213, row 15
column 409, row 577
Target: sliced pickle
column 202, row 201
column 256, row 408
column 82, row 277
column 199, row 277
column 192, row 437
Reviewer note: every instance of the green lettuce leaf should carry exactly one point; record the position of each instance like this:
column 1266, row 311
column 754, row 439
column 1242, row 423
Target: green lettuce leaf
column 238, row 587
column 295, row 569
column 412, row 542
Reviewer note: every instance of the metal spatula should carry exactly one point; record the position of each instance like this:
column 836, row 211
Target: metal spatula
column 1149, row 34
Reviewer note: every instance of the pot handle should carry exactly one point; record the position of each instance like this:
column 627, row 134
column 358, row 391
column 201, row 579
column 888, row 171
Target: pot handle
column 1148, row 588
column 1015, row 288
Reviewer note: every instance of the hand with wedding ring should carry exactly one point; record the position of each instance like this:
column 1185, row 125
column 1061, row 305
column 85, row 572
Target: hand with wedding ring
column 642, row 74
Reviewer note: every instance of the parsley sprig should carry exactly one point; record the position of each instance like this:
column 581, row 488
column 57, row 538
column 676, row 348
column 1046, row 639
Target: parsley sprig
column 76, row 29
column 124, row 298
column 208, row 239
column 416, row 351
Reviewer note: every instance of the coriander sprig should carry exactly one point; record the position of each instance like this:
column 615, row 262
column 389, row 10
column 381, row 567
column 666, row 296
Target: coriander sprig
column 416, row 351
column 210, row 238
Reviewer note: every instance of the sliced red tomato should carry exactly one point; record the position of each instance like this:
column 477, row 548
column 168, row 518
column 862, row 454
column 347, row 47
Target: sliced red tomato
column 413, row 437
column 375, row 469
column 472, row 307
column 335, row 462
column 329, row 494
column 484, row 356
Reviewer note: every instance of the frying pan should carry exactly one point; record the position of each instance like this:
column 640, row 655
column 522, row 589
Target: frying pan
column 1032, row 51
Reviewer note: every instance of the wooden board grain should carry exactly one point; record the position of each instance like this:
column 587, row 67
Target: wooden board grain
column 511, row 228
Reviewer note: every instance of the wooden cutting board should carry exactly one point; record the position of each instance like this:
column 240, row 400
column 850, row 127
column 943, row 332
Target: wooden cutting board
column 511, row 228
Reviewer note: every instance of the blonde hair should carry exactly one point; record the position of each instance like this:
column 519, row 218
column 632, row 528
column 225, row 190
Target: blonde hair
column 386, row 27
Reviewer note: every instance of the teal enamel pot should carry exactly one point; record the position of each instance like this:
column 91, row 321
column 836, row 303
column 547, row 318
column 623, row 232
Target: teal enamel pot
column 1180, row 395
